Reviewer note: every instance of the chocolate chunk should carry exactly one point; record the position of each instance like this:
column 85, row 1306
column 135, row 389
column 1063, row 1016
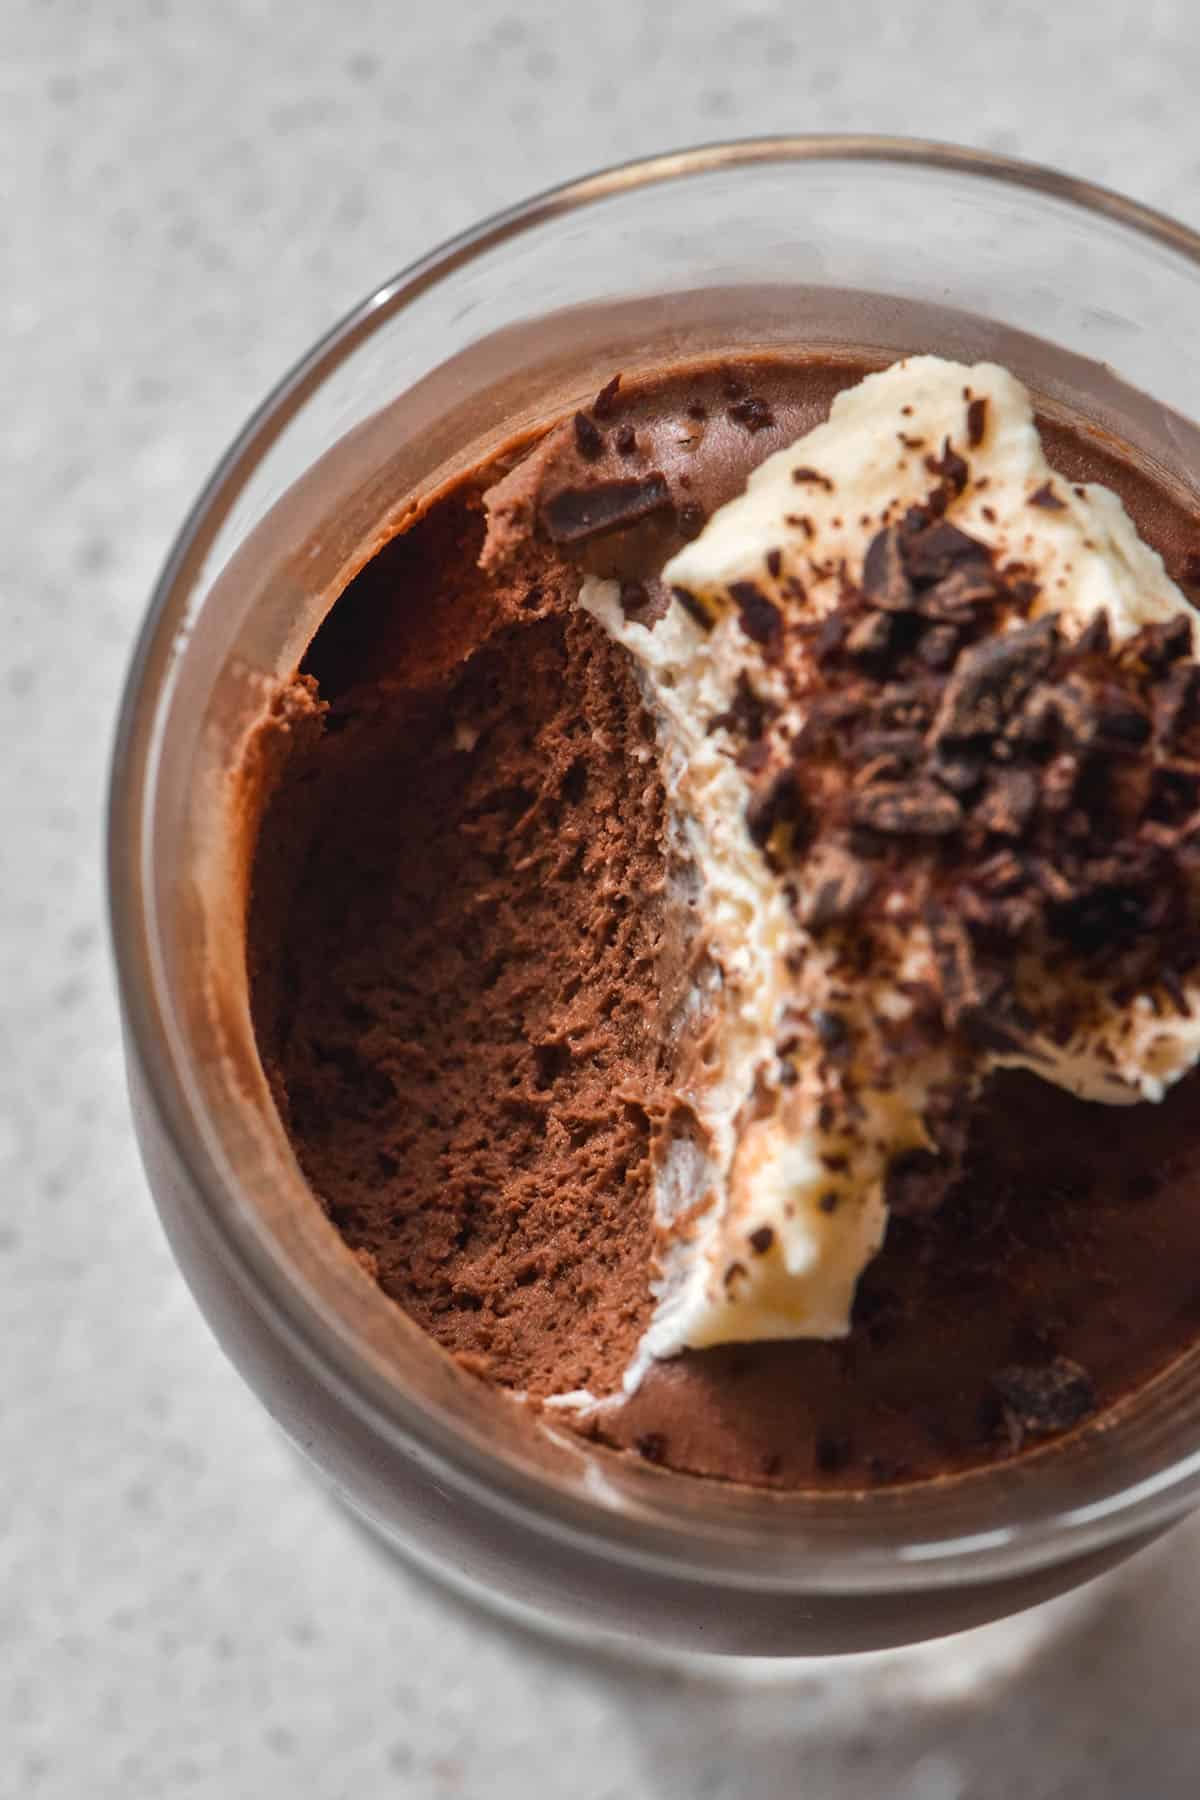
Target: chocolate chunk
column 574, row 515
column 1160, row 645
column 842, row 888
column 761, row 1240
column 999, row 918
column 954, row 961
column 1059, row 781
column 1174, row 703
column 976, row 421
column 897, row 809
column 885, row 578
column 753, row 412
column 604, row 405
column 886, row 753
column 693, row 607
column 959, row 597
column 1096, row 637
column 626, row 440
column 1042, row 1399
column 747, row 714
column 1045, row 496
column 588, row 441
column 902, row 705
column 961, row 772
column 691, row 519
column 951, row 467
column 759, row 617
column 780, row 804
column 830, row 636
column 991, row 679
column 1121, row 725
column 871, row 638
column 930, row 554
column 938, row 647
column 1010, row 803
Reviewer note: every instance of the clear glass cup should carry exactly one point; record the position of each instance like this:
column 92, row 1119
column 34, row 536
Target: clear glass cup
column 882, row 245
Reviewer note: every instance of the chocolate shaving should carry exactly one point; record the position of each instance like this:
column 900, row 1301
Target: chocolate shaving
column 992, row 678
column 1009, row 804
column 574, row 515
column 758, row 616
column 951, row 467
column 977, row 421
column 899, row 810
column 871, row 637
column 1039, row 1401
column 588, row 441
column 780, row 803
column 885, row 576
column 812, row 477
column 955, row 964
column 933, row 551
column 843, row 887
column 604, row 405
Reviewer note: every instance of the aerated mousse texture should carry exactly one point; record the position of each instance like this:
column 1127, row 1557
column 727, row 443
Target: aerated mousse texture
column 469, row 951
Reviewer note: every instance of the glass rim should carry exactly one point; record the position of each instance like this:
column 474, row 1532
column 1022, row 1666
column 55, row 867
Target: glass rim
column 1053, row 1537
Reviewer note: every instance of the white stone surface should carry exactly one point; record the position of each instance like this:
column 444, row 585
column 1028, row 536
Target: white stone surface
column 188, row 193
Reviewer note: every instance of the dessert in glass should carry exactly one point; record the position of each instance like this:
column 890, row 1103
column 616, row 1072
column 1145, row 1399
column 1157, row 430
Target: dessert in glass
column 654, row 882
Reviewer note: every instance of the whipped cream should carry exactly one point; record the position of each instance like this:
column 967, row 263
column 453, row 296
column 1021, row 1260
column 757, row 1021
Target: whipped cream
column 770, row 1188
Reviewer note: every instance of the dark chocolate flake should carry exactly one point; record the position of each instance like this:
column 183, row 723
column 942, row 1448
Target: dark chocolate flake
column 871, row 637
column 604, row 405
column 694, row 607
column 933, row 551
column 588, row 440
column 758, row 616
column 991, row 679
column 1041, row 1400
column 1009, row 804
column 954, row 961
column 806, row 477
column 977, row 410
column 842, row 889
column 574, row 515
column 898, row 809
column 885, row 578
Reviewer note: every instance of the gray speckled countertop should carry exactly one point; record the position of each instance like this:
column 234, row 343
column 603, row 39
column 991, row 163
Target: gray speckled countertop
column 188, row 193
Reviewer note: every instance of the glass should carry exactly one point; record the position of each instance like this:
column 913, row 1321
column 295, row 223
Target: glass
column 883, row 246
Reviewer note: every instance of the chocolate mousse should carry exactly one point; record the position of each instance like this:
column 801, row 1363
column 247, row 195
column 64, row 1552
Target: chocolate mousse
column 496, row 1012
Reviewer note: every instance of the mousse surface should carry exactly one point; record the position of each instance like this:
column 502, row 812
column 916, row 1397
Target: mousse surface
column 470, row 959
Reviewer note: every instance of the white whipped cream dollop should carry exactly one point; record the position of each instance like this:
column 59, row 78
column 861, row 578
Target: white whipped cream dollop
column 770, row 1197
